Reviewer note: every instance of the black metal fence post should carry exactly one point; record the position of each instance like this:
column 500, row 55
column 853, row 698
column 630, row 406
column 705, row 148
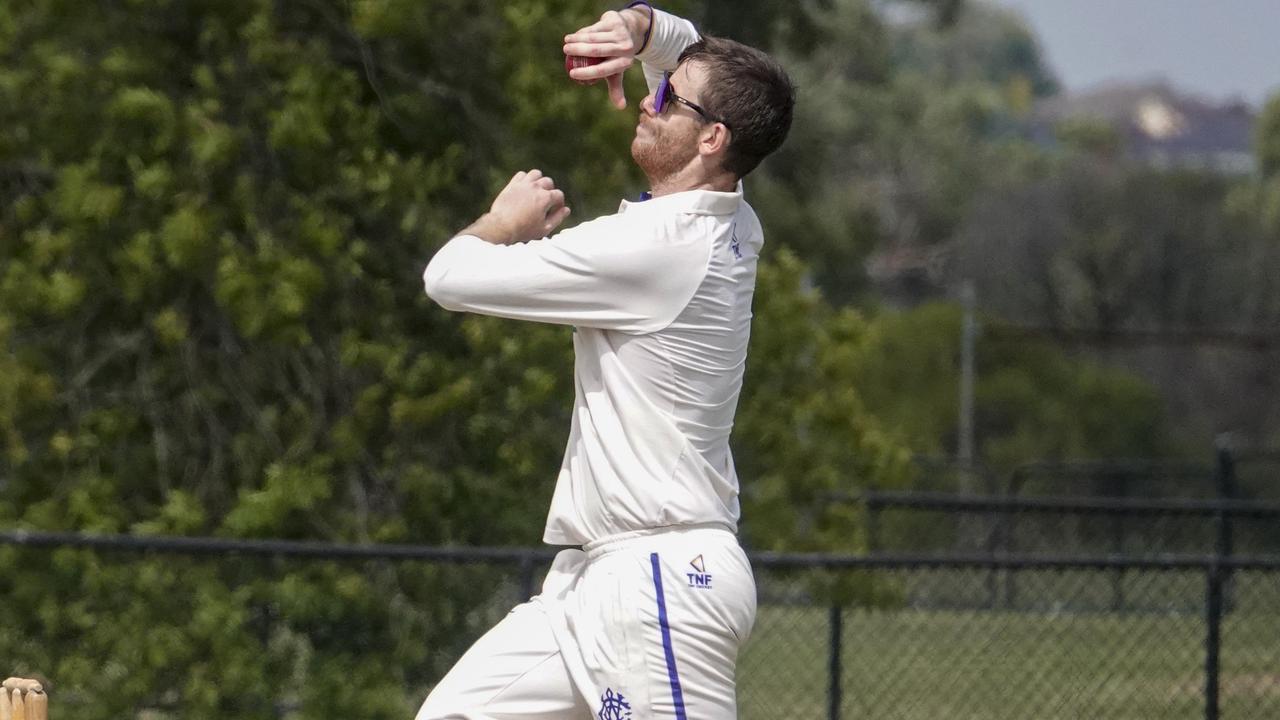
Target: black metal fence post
column 994, row 548
column 836, row 616
column 1224, row 477
column 1213, row 637
column 998, row 544
column 1009, row 533
column 1217, row 577
column 1121, row 486
column 1010, row 578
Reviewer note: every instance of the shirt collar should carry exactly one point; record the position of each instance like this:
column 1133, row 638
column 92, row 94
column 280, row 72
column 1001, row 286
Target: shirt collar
column 697, row 202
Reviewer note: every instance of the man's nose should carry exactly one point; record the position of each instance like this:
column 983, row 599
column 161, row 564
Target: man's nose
column 647, row 105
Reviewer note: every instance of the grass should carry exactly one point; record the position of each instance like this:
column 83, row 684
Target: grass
column 1030, row 664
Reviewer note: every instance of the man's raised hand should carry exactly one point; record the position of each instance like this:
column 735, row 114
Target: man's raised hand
column 617, row 37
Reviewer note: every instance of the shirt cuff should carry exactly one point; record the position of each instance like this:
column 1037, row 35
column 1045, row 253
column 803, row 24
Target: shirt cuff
column 668, row 37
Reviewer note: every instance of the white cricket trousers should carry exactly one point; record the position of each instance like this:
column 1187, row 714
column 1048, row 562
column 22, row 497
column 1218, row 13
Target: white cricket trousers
column 633, row 627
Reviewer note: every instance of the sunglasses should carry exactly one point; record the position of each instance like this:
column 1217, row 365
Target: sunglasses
column 666, row 95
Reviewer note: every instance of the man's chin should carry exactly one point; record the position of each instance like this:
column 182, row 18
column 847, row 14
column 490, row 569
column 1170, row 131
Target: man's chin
column 637, row 150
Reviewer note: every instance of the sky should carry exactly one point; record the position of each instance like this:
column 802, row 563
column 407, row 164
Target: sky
column 1218, row 50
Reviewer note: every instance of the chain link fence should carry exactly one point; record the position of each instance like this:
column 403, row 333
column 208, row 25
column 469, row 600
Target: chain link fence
column 929, row 642
column 899, row 637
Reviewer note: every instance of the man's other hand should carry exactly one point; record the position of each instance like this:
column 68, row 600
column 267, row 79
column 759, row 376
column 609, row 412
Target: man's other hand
column 528, row 208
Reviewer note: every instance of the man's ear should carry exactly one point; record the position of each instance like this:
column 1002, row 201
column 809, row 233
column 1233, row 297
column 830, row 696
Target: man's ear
column 714, row 139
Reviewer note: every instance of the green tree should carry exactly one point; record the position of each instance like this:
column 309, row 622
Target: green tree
column 1032, row 402
column 1253, row 215
column 1268, row 138
column 1098, row 244
column 901, row 126
column 1108, row 247
column 982, row 42
column 803, row 429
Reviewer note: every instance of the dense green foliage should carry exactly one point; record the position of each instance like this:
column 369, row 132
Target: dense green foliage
column 1269, row 138
column 1088, row 239
column 213, row 217
column 214, row 325
column 903, row 125
column 1032, row 401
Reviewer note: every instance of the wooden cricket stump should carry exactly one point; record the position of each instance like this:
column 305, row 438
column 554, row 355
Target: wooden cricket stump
column 23, row 699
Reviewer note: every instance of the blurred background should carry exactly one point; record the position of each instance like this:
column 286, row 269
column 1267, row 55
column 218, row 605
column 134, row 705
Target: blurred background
column 1018, row 251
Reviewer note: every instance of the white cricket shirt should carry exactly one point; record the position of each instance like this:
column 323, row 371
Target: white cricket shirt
column 660, row 296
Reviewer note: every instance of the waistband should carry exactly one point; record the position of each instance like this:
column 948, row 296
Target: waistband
column 621, row 541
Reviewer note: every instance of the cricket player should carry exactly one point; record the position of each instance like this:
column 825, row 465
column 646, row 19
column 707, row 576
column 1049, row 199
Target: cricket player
column 644, row 616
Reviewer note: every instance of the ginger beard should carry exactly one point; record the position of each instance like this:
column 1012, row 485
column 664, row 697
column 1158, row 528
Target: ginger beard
column 662, row 149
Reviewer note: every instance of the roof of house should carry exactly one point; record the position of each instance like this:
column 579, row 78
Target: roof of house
column 1159, row 123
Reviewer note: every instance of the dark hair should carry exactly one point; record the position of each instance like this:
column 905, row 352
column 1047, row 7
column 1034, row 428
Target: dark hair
column 748, row 91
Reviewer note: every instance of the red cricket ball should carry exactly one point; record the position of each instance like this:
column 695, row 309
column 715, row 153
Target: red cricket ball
column 578, row 61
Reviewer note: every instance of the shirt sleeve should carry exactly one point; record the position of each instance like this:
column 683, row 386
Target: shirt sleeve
column 603, row 274
column 668, row 37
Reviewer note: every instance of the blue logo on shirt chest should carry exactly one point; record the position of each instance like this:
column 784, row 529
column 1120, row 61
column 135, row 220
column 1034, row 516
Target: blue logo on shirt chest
column 734, row 245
